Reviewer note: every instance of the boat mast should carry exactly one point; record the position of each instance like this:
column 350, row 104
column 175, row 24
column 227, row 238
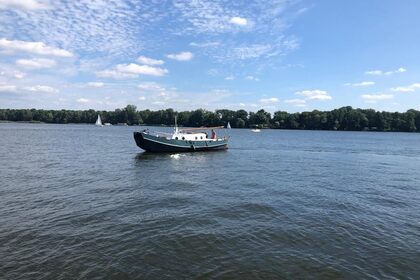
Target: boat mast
column 176, row 124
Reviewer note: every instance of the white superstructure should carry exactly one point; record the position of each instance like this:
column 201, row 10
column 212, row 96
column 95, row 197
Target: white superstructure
column 199, row 136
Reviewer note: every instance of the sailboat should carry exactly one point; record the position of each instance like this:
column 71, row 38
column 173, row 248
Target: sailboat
column 228, row 125
column 98, row 121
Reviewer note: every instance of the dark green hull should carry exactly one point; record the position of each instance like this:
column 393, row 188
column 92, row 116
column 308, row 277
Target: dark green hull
column 156, row 144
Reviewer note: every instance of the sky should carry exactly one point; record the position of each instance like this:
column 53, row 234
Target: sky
column 289, row 55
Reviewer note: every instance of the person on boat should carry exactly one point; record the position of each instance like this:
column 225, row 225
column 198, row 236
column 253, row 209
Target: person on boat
column 213, row 134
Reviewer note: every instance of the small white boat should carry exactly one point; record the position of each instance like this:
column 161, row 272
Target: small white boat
column 107, row 124
column 256, row 130
column 98, row 121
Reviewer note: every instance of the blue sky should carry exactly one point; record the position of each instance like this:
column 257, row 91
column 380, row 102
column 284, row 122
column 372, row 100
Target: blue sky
column 277, row 55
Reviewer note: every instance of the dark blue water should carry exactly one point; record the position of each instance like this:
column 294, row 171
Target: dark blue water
column 82, row 202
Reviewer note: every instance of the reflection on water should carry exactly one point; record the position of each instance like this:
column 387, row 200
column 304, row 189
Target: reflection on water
column 85, row 202
column 148, row 155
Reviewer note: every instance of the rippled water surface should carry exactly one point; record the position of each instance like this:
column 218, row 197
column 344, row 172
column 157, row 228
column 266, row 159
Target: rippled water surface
column 78, row 201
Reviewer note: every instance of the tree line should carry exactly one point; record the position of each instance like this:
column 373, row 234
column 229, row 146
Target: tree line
column 345, row 118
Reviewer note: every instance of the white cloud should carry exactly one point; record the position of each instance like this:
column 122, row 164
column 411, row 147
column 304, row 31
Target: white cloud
column 13, row 74
column 8, row 88
column 150, row 86
column 131, row 70
column 296, row 102
column 23, row 4
column 230, row 78
column 19, row 75
column 115, row 74
column 149, row 61
column 36, row 63
column 376, row 97
column 238, row 21
column 251, row 51
column 33, row 47
column 361, row 84
column 39, row 88
column 182, row 56
column 315, row 94
column 95, row 84
column 385, row 73
column 142, row 98
column 213, row 72
column 279, row 46
column 268, row 19
column 252, row 78
column 218, row 16
column 205, row 44
column 98, row 28
column 83, row 100
column 374, row 72
column 269, row 100
column 409, row 88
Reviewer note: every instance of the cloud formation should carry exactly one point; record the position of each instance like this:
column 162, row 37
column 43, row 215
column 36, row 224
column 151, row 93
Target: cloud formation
column 361, row 84
column 149, row 61
column 40, row 88
column 238, row 21
column 83, row 100
column 132, row 70
column 251, row 78
column 372, row 98
column 95, row 84
column 182, row 56
column 270, row 100
column 296, row 102
column 23, row 4
column 32, row 47
column 36, row 63
column 410, row 88
column 385, row 73
column 150, row 86
column 315, row 94
column 7, row 88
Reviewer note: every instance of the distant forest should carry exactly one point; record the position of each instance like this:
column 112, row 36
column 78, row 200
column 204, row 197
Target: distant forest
column 345, row 118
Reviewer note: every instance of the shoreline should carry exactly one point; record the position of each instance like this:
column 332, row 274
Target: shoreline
column 241, row 128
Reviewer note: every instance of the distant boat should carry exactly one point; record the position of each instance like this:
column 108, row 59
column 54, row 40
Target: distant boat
column 107, row 124
column 98, row 121
column 228, row 125
column 256, row 130
column 181, row 140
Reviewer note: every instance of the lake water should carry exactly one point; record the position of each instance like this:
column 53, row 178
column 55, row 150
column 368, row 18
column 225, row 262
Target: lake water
column 84, row 202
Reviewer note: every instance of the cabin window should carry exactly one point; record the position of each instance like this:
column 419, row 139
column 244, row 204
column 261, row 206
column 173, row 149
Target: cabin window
column 195, row 137
column 201, row 137
column 183, row 138
column 176, row 138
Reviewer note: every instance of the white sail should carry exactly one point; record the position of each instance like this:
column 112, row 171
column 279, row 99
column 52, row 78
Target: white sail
column 228, row 125
column 98, row 121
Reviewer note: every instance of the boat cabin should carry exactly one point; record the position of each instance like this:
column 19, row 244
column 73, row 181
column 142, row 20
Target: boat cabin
column 196, row 136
